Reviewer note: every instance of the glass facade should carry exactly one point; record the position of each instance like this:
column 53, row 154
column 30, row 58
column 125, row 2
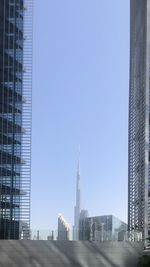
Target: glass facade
column 14, row 157
column 101, row 228
column 139, row 120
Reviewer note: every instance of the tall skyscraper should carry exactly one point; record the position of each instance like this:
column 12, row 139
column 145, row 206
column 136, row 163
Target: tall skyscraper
column 15, row 117
column 77, row 206
column 139, row 119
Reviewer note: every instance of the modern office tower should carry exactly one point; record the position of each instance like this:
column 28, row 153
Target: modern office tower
column 102, row 228
column 64, row 229
column 15, row 117
column 139, row 120
column 77, row 206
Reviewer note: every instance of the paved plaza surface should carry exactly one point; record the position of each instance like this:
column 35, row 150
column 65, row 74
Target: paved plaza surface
column 34, row 253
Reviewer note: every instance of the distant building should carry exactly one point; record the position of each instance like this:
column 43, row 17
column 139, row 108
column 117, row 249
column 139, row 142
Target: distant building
column 51, row 237
column 82, row 224
column 83, row 214
column 102, row 228
column 77, row 206
column 64, row 229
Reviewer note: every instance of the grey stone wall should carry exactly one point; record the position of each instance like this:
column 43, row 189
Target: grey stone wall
column 25, row 253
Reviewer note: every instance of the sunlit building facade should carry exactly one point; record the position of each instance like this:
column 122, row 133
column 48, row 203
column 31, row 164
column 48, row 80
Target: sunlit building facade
column 15, row 117
column 64, row 229
column 139, row 119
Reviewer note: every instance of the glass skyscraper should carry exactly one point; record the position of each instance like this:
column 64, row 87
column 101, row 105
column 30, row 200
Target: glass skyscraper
column 15, row 117
column 139, row 119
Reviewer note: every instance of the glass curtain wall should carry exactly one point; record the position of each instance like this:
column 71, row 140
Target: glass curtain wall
column 139, row 119
column 12, row 186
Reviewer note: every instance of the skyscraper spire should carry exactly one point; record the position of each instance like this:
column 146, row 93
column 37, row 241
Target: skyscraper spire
column 78, row 167
column 78, row 196
column 78, row 170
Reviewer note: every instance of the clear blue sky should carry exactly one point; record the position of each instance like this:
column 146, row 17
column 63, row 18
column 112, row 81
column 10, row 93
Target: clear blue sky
column 80, row 96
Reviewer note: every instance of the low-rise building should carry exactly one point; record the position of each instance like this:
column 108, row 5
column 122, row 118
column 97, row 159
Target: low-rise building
column 102, row 228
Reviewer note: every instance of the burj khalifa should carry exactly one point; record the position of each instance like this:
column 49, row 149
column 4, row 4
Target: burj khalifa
column 77, row 206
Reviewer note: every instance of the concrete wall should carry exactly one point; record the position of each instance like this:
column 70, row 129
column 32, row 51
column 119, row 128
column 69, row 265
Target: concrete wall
column 68, row 254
